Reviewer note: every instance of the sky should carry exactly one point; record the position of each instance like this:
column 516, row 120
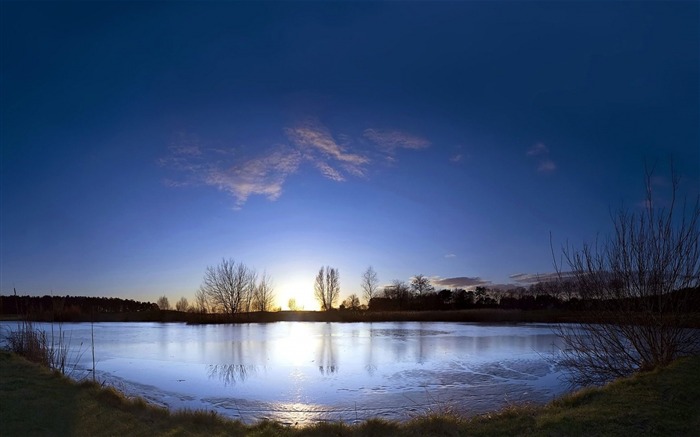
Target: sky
column 143, row 142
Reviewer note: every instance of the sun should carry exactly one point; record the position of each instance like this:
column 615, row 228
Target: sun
column 298, row 288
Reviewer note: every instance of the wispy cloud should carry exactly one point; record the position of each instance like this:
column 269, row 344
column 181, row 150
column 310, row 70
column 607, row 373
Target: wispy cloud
column 533, row 278
column 222, row 169
column 329, row 172
column 317, row 145
column 459, row 282
column 260, row 176
column 541, row 153
column 546, row 166
column 450, row 255
column 242, row 176
column 312, row 135
column 537, row 150
column 391, row 140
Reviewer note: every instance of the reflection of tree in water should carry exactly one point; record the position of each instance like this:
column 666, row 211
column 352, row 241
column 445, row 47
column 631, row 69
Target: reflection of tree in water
column 422, row 350
column 404, row 341
column 326, row 353
column 235, row 352
column 230, row 374
column 370, row 366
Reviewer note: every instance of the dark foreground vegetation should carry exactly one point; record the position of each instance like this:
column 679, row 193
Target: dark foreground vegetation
column 36, row 401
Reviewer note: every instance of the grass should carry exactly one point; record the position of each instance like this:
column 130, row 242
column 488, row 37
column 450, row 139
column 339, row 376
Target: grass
column 37, row 402
column 36, row 345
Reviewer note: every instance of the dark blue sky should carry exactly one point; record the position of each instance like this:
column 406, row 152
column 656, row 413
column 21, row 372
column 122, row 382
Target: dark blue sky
column 142, row 142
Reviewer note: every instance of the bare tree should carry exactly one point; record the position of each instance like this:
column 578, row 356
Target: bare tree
column 249, row 294
column 420, row 285
column 352, row 302
column 327, row 287
column 182, row 304
column 638, row 285
column 229, row 286
column 163, row 303
column 201, row 303
column 399, row 292
column 369, row 284
column 264, row 296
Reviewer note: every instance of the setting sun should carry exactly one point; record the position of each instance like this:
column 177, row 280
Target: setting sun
column 299, row 288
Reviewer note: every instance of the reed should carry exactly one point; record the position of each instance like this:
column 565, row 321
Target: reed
column 37, row 346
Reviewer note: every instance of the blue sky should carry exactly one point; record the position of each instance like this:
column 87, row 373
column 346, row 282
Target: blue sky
column 142, row 142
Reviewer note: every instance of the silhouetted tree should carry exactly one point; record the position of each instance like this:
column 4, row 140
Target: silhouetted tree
column 420, row 285
column 163, row 303
column 445, row 297
column 182, row 304
column 352, row 302
column 200, row 298
column 369, row 284
column 229, row 286
column 399, row 292
column 479, row 294
column 629, row 281
column 462, row 299
column 264, row 296
column 327, row 287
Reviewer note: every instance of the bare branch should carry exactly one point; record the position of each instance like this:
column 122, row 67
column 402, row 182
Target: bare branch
column 637, row 285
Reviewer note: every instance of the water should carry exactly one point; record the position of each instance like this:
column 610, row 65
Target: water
column 300, row 372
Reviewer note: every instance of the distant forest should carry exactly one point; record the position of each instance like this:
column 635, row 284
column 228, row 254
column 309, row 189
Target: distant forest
column 541, row 296
column 68, row 308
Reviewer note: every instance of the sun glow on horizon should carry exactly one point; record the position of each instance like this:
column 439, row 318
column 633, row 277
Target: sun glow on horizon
column 299, row 288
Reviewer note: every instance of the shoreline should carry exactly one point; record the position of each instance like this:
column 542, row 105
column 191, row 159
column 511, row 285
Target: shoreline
column 479, row 315
column 662, row 402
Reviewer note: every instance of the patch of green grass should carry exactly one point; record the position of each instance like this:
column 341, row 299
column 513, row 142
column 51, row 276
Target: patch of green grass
column 35, row 401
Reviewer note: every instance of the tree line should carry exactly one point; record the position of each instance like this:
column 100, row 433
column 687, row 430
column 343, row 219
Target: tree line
column 69, row 307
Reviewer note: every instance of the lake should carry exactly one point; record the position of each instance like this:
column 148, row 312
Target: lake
column 300, row 372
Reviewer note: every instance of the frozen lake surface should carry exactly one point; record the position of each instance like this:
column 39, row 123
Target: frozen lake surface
column 300, row 372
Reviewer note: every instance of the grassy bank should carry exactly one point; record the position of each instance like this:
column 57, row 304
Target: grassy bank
column 35, row 401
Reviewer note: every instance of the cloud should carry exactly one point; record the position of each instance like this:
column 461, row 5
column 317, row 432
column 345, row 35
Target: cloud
column 533, row 278
column 317, row 145
column 224, row 170
column 260, row 176
column 456, row 158
column 459, row 282
column 538, row 149
column 541, row 152
column 390, row 140
column 450, row 255
column 242, row 176
column 316, row 137
column 329, row 172
column 546, row 165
